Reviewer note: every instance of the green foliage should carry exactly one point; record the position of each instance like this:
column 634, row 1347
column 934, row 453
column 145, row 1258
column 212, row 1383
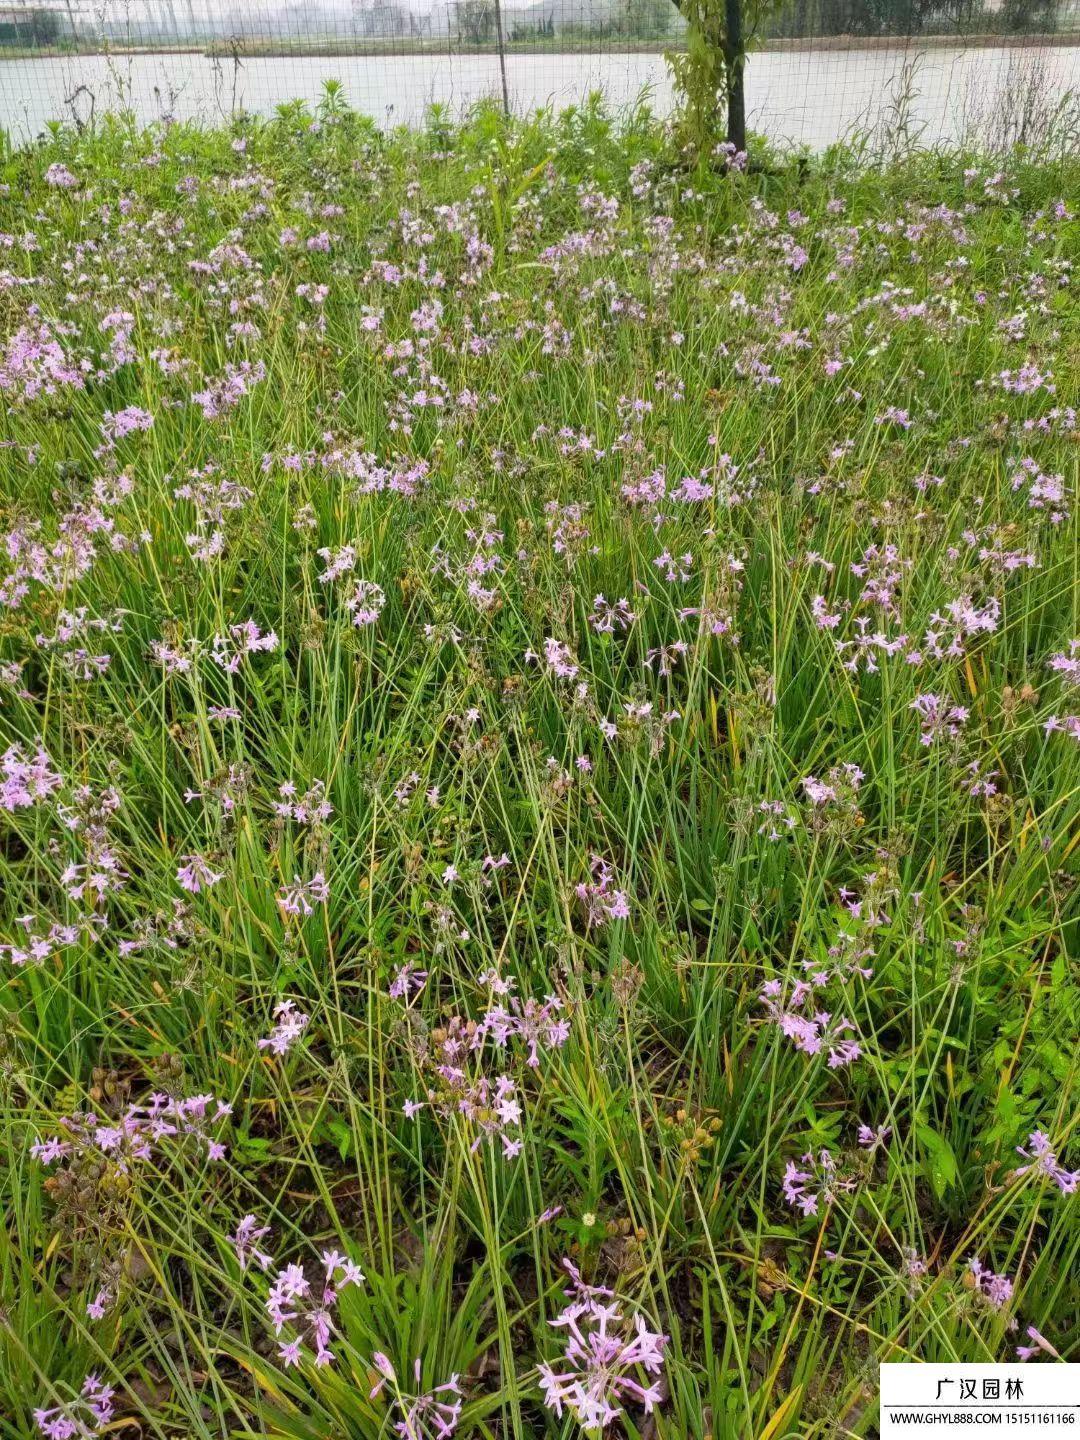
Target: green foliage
column 700, row 75
column 606, row 322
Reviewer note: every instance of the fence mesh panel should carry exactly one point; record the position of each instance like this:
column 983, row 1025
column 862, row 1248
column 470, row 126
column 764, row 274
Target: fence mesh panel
column 989, row 71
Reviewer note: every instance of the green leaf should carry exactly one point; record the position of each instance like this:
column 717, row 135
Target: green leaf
column 940, row 1162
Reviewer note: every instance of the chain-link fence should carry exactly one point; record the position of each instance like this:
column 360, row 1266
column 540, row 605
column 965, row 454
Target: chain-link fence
column 990, row 71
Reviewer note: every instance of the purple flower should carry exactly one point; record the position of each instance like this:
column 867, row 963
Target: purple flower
column 430, row 1416
column 409, row 979
column 38, row 943
column 85, row 1416
column 809, row 1032
column 308, row 809
column 246, row 1243
column 102, row 1302
column 1045, row 1162
column 597, row 1373
column 874, row 1139
column 307, row 1308
column 666, row 656
column 24, row 781
column 560, row 659
column 1064, row 724
column 124, row 422
column 61, row 177
column 913, row 1266
column 839, row 788
column 814, row 1179
column 229, row 651
column 607, row 618
column 131, row 1139
column 937, row 717
column 1067, row 663
column 366, row 603
column 534, row 1023
column 996, row 1290
column 490, row 1108
column 226, row 390
column 290, row 1025
column 195, row 875
column 301, row 897
column 339, row 561
column 675, row 568
column 824, row 619
column 602, row 901
column 1025, row 1352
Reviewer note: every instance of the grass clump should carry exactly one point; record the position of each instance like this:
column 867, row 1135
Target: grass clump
column 539, row 776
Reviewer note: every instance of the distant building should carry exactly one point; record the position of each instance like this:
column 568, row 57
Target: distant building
column 38, row 22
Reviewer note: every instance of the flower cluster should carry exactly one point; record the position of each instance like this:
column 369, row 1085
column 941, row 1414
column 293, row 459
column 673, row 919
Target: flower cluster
column 25, row 780
column 229, row 651
column 289, row 1025
column 599, row 896
column 430, row 1415
column 81, row 1418
column 135, row 1135
column 38, row 944
column 366, row 603
column 1043, row 1160
column 195, row 874
column 815, row 1180
column 537, row 1024
column 809, row 1032
column 597, row 1374
column 306, row 1307
column 308, row 809
column 938, row 718
column 301, row 897
column 245, row 1243
column 994, row 1290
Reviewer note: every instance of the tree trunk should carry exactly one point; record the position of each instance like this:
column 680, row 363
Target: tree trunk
column 502, row 57
column 735, row 62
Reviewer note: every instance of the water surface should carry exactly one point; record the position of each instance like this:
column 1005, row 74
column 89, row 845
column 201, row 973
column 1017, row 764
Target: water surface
column 810, row 97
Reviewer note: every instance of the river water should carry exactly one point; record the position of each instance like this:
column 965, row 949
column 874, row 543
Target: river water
column 806, row 97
